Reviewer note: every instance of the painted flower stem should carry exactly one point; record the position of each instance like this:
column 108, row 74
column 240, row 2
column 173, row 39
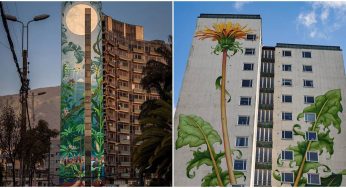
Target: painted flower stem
column 225, row 136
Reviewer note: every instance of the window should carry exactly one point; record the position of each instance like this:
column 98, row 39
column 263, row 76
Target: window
column 251, row 37
column 307, row 68
column 287, row 177
column 249, row 51
column 248, row 66
column 287, row 98
column 246, row 83
column 286, row 82
column 286, row 53
column 308, row 83
column 311, row 136
column 287, row 135
column 306, row 54
column 286, row 115
column 314, row 179
column 240, row 165
column 312, row 156
column 309, row 99
column 310, row 117
column 286, row 67
column 287, row 155
column 245, row 101
column 242, row 141
column 243, row 120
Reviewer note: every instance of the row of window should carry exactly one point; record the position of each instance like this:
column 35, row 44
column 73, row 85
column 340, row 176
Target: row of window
column 288, row 67
column 313, row 178
column 288, row 53
column 307, row 99
column 306, row 83
column 308, row 117
column 309, row 136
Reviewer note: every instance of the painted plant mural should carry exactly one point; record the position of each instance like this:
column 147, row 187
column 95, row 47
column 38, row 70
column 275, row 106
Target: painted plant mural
column 72, row 153
column 194, row 132
column 326, row 110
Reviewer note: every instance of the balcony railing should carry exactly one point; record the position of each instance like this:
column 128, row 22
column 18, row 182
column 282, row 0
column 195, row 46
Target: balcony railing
column 266, row 106
column 126, row 131
column 267, row 90
column 124, row 141
column 138, row 60
column 138, row 50
column 263, row 165
column 138, row 132
column 126, row 120
column 123, row 47
column 265, row 124
column 264, row 144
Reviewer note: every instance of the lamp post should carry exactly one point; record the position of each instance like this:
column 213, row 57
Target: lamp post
column 33, row 104
column 25, row 84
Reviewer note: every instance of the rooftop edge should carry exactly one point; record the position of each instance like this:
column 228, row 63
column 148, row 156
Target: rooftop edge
column 307, row 46
column 235, row 16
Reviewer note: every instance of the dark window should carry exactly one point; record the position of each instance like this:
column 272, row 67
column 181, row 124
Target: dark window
column 311, row 136
column 307, row 68
column 243, row 120
column 245, row 101
column 314, row 179
column 286, row 53
column 249, row 51
column 286, row 98
column 251, row 37
column 287, row 135
column 306, row 54
column 239, row 164
column 246, row 83
column 286, row 115
column 286, row 67
column 308, row 83
column 242, row 141
column 287, row 155
column 309, row 99
column 248, row 66
column 312, row 156
column 286, row 82
column 310, row 117
column 287, row 177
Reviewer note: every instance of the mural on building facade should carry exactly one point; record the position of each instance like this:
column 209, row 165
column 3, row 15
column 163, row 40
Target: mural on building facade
column 326, row 111
column 72, row 152
column 195, row 132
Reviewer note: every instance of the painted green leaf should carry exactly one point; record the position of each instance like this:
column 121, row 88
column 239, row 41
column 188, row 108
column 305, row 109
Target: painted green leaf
column 210, row 180
column 326, row 108
column 200, row 158
column 324, row 142
column 218, row 86
column 297, row 130
column 334, row 180
column 194, row 131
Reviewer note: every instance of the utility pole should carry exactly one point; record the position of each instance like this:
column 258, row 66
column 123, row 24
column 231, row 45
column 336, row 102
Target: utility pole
column 24, row 96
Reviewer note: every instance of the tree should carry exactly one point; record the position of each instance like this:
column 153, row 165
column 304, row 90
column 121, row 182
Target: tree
column 37, row 146
column 10, row 137
column 154, row 154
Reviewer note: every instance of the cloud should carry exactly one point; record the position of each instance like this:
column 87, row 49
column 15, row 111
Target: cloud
column 323, row 18
column 238, row 5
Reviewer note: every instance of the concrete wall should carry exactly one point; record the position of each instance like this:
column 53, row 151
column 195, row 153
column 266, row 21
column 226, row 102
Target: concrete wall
column 199, row 97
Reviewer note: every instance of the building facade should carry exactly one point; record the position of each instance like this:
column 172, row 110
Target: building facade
column 285, row 110
column 125, row 55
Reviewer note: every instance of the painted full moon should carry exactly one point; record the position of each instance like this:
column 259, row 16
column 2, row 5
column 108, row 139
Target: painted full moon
column 75, row 19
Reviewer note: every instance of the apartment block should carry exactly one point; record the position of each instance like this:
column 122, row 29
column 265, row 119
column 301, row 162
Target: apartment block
column 270, row 86
column 125, row 55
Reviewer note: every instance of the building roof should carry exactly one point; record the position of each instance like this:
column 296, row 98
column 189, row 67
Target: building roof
column 235, row 16
column 307, row 46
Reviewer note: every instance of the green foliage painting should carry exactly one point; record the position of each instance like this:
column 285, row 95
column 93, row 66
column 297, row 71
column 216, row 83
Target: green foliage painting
column 193, row 131
column 72, row 153
column 326, row 110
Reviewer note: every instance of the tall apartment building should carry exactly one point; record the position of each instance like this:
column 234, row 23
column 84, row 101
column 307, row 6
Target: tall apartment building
column 125, row 55
column 270, row 87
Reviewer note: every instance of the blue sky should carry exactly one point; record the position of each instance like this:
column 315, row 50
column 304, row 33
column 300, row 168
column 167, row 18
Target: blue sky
column 44, row 40
column 322, row 23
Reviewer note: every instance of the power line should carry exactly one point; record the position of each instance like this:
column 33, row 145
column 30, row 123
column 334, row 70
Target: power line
column 11, row 25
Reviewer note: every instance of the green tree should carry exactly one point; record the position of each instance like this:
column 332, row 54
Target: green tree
column 10, row 137
column 154, row 154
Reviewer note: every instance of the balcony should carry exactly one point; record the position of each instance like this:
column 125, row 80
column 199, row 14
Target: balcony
column 263, row 165
column 125, row 57
column 265, row 124
column 112, row 129
column 125, row 175
column 110, row 139
column 138, row 132
column 267, row 90
column 137, row 80
column 124, row 152
column 137, row 90
column 126, row 131
column 111, row 63
column 266, row 59
column 138, row 50
column 137, row 70
column 125, row 120
column 124, row 109
column 122, row 67
column 123, row 98
column 136, row 121
column 112, row 53
column 124, row 77
column 125, row 142
column 113, row 151
column 264, row 144
column 123, row 47
column 153, row 52
column 126, row 88
column 137, row 111
column 267, row 74
column 266, row 106
column 139, row 60
column 139, row 100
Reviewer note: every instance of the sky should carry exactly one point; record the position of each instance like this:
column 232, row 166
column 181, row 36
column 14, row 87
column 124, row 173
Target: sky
column 44, row 37
column 320, row 23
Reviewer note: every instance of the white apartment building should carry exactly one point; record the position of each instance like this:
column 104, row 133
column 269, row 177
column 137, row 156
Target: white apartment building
column 269, row 88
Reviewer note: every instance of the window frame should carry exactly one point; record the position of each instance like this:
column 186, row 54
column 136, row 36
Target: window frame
column 284, row 81
column 250, row 82
column 249, row 101
column 282, row 177
column 304, row 70
column 307, row 114
column 288, row 65
column 306, row 81
column 283, row 136
column 283, row 100
column 308, row 156
column 248, row 120
column 251, row 39
column 246, row 141
column 286, row 51
column 319, row 178
column 284, row 158
column 306, row 52
column 284, row 119
column 252, row 66
column 306, row 101
column 253, row 50
column 244, row 162
column 307, row 136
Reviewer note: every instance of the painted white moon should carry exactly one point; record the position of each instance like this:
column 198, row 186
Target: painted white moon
column 75, row 19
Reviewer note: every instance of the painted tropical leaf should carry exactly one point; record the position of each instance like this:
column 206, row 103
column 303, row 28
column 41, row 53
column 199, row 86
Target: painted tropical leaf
column 194, row 131
column 326, row 108
column 299, row 152
column 334, row 180
column 202, row 158
column 324, row 141
column 211, row 180
column 218, row 86
column 76, row 49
